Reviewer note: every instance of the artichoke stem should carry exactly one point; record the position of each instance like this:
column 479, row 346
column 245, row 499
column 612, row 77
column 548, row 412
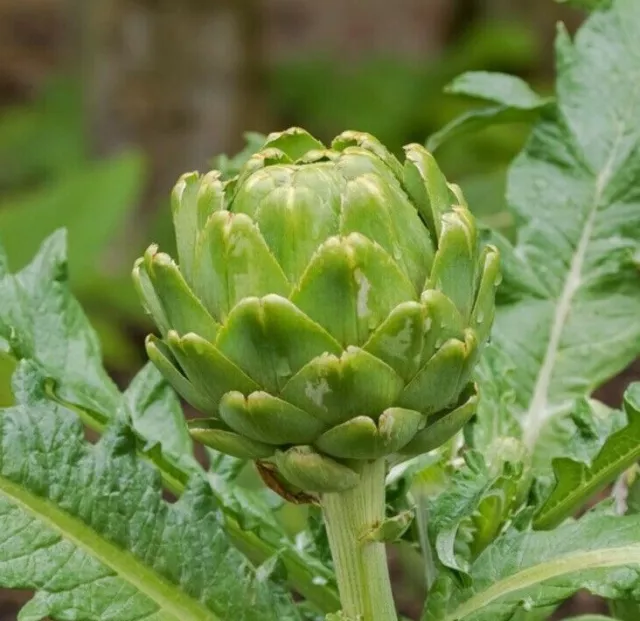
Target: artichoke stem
column 361, row 567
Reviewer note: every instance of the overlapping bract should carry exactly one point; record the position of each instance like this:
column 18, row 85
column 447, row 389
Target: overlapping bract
column 328, row 307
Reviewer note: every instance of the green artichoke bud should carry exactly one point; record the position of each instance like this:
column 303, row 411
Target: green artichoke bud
column 328, row 308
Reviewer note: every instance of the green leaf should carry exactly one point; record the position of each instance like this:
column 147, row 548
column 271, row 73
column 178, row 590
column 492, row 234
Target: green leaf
column 194, row 199
column 265, row 418
column 99, row 532
column 92, row 203
column 572, row 193
column 364, row 438
column 156, row 414
column 514, row 99
column 442, row 427
column 390, row 529
column 271, row 339
column 576, row 482
column 532, row 570
column 494, row 417
column 181, row 310
column 42, row 321
column 457, row 503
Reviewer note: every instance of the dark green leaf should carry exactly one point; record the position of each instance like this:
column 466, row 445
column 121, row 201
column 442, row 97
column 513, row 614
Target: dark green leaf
column 577, row 481
column 44, row 323
column 97, row 540
column 532, row 570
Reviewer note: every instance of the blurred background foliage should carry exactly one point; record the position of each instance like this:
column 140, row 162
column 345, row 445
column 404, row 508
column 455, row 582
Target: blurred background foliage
column 104, row 103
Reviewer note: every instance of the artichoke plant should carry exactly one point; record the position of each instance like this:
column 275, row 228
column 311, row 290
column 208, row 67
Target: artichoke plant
column 327, row 307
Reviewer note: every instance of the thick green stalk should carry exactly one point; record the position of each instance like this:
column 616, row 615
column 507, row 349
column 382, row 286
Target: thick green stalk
column 361, row 567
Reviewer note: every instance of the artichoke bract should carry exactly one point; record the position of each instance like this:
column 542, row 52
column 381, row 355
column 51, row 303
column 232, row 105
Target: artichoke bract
column 328, row 306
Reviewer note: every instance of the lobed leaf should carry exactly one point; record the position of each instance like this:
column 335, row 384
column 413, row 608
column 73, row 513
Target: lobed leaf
column 529, row 571
column 576, row 481
column 573, row 193
column 41, row 321
column 98, row 541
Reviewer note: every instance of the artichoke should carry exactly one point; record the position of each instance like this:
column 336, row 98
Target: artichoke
column 328, row 307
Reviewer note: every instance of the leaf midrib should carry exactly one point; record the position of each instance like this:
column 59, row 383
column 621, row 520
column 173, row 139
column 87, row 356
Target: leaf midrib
column 174, row 603
column 538, row 414
column 571, row 563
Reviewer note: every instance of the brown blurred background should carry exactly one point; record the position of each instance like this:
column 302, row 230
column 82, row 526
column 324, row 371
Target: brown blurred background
column 103, row 103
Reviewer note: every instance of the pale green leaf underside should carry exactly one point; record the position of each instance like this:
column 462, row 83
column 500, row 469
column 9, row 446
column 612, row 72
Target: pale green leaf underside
column 532, row 570
column 574, row 193
column 86, row 527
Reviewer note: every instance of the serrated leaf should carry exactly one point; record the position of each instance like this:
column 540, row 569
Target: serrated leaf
column 97, row 539
column 156, row 414
column 514, row 102
column 457, row 503
column 573, row 192
column 532, row 570
column 45, row 323
column 42, row 321
column 494, row 418
column 576, row 481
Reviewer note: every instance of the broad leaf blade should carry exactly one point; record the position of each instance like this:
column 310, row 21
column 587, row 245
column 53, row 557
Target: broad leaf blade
column 99, row 533
column 532, row 570
column 577, row 481
column 572, row 191
column 42, row 321
column 512, row 98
